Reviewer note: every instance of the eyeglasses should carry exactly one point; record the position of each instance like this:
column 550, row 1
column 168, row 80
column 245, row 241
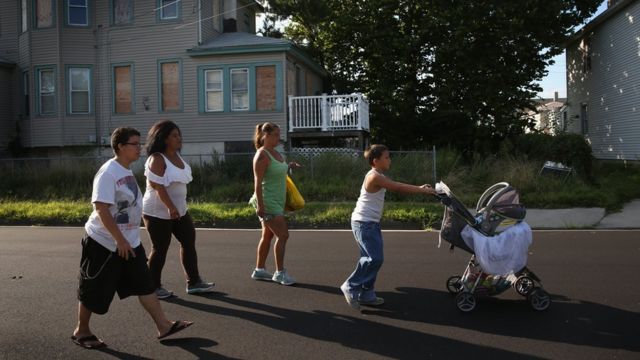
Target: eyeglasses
column 134, row 144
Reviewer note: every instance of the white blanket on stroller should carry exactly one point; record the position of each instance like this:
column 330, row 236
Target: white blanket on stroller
column 502, row 254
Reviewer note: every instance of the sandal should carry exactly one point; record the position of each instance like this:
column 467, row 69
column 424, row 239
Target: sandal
column 177, row 326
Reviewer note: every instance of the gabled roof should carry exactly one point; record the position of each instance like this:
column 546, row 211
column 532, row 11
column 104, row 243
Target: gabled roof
column 604, row 16
column 245, row 43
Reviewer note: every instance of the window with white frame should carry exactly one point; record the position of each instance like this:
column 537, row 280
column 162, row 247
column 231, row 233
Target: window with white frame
column 24, row 17
column 78, row 12
column 213, row 90
column 122, row 12
column 169, row 9
column 46, row 92
column 239, row 89
column 79, row 90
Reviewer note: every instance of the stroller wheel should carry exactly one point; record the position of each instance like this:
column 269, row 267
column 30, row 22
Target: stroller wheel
column 454, row 284
column 524, row 285
column 465, row 301
column 539, row 299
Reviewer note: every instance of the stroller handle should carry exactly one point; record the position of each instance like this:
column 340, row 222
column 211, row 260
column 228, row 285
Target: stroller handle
column 494, row 191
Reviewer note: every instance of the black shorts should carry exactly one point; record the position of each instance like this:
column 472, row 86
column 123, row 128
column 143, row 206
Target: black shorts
column 103, row 273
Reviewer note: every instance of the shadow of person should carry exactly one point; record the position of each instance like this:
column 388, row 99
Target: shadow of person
column 353, row 332
column 566, row 321
column 121, row 355
column 196, row 346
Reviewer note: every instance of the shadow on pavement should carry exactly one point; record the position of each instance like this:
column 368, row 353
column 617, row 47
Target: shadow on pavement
column 122, row 355
column 351, row 331
column 196, row 346
column 566, row 321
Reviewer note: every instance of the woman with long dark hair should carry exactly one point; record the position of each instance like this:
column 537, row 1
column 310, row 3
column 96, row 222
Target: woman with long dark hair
column 164, row 207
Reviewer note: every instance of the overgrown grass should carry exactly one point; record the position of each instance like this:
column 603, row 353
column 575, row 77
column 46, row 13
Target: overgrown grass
column 35, row 193
column 314, row 215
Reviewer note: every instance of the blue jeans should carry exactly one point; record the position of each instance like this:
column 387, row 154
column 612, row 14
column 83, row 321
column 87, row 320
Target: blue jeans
column 369, row 238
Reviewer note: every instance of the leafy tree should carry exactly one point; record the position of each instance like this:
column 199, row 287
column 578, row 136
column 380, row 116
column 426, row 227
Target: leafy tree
column 443, row 72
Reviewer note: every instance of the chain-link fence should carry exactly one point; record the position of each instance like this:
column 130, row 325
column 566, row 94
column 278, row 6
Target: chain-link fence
column 325, row 175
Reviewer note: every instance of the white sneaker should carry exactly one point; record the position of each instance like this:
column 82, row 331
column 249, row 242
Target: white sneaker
column 162, row 293
column 352, row 299
column 261, row 274
column 283, row 278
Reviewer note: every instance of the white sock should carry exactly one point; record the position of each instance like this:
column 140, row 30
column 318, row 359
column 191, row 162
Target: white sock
column 260, row 269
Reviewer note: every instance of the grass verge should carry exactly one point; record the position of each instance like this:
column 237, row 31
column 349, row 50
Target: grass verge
column 334, row 215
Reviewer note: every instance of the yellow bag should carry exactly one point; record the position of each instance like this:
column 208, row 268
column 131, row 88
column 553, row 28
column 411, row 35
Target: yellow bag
column 294, row 200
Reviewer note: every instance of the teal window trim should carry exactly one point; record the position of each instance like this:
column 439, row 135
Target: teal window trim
column 67, row 70
column 113, row 88
column 34, row 15
column 203, row 93
column 159, row 12
column 112, row 16
column 180, row 85
column 38, row 70
column 67, row 15
column 226, row 73
column 250, row 99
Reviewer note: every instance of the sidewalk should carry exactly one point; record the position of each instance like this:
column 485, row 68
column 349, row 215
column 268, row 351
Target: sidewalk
column 580, row 218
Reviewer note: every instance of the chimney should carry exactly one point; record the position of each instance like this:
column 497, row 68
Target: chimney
column 555, row 96
column 229, row 25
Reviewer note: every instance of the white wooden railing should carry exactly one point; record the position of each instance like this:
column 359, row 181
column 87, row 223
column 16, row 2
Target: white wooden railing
column 329, row 112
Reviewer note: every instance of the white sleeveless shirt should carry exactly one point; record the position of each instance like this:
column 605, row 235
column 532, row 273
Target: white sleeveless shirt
column 175, row 181
column 369, row 205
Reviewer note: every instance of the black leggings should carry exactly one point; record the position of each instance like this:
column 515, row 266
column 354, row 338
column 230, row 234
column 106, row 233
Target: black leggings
column 160, row 231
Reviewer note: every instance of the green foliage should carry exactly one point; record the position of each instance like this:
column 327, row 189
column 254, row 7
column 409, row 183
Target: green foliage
column 459, row 73
column 569, row 149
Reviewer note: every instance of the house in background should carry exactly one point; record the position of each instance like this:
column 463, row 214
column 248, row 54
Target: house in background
column 603, row 82
column 77, row 69
column 551, row 115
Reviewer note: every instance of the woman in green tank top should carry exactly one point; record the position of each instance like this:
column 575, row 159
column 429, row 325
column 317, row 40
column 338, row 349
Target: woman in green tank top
column 269, row 175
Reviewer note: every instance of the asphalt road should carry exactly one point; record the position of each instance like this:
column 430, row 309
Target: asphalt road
column 592, row 276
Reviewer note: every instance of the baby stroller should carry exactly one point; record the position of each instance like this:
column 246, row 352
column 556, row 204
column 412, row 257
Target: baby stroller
column 498, row 223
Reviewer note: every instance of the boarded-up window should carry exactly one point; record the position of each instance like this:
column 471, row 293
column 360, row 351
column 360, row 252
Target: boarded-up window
column 266, row 88
column 239, row 89
column 122, row 87
column 122, row 12
column 170, row 73
column 44, row 16
column 213, row 90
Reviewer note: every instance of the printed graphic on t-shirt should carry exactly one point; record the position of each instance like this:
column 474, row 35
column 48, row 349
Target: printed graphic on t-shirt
column 126, row 200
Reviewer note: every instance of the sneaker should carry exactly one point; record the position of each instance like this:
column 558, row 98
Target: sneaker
column 261, row 274
column 373, row 302
column 200, row 287
column 283, row 278
column 350, row 296
column 162, row 293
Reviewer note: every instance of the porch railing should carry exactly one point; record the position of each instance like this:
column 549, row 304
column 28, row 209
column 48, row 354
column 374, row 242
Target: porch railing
column 329, row 112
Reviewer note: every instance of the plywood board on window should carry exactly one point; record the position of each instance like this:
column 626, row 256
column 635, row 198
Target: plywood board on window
column 266, row 88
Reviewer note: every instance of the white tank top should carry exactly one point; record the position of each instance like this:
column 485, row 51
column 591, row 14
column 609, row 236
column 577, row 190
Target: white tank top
column 369, row 205
column 175, row 181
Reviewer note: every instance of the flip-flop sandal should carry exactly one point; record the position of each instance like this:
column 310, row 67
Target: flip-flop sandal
column 88, row 342
column 179, row 325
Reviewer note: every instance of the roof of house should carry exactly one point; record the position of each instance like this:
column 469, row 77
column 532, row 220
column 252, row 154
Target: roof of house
column 242, row 42
column 604, row 16
column 5, row 62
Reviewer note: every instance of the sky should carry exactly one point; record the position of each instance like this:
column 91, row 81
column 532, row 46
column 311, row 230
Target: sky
column 556, row 80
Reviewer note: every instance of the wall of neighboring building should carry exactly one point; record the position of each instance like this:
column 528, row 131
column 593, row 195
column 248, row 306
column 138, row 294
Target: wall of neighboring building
column 9, row 79
column 605, row 85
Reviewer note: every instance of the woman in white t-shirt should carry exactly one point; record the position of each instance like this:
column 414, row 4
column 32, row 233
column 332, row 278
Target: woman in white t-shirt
column 164, row 207
column 113, row 259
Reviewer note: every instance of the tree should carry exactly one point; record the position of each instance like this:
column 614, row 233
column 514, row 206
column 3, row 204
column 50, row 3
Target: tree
column 443, row 72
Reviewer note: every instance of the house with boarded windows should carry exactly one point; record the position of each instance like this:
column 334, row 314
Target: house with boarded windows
column 73, row 70
column 603, row 82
